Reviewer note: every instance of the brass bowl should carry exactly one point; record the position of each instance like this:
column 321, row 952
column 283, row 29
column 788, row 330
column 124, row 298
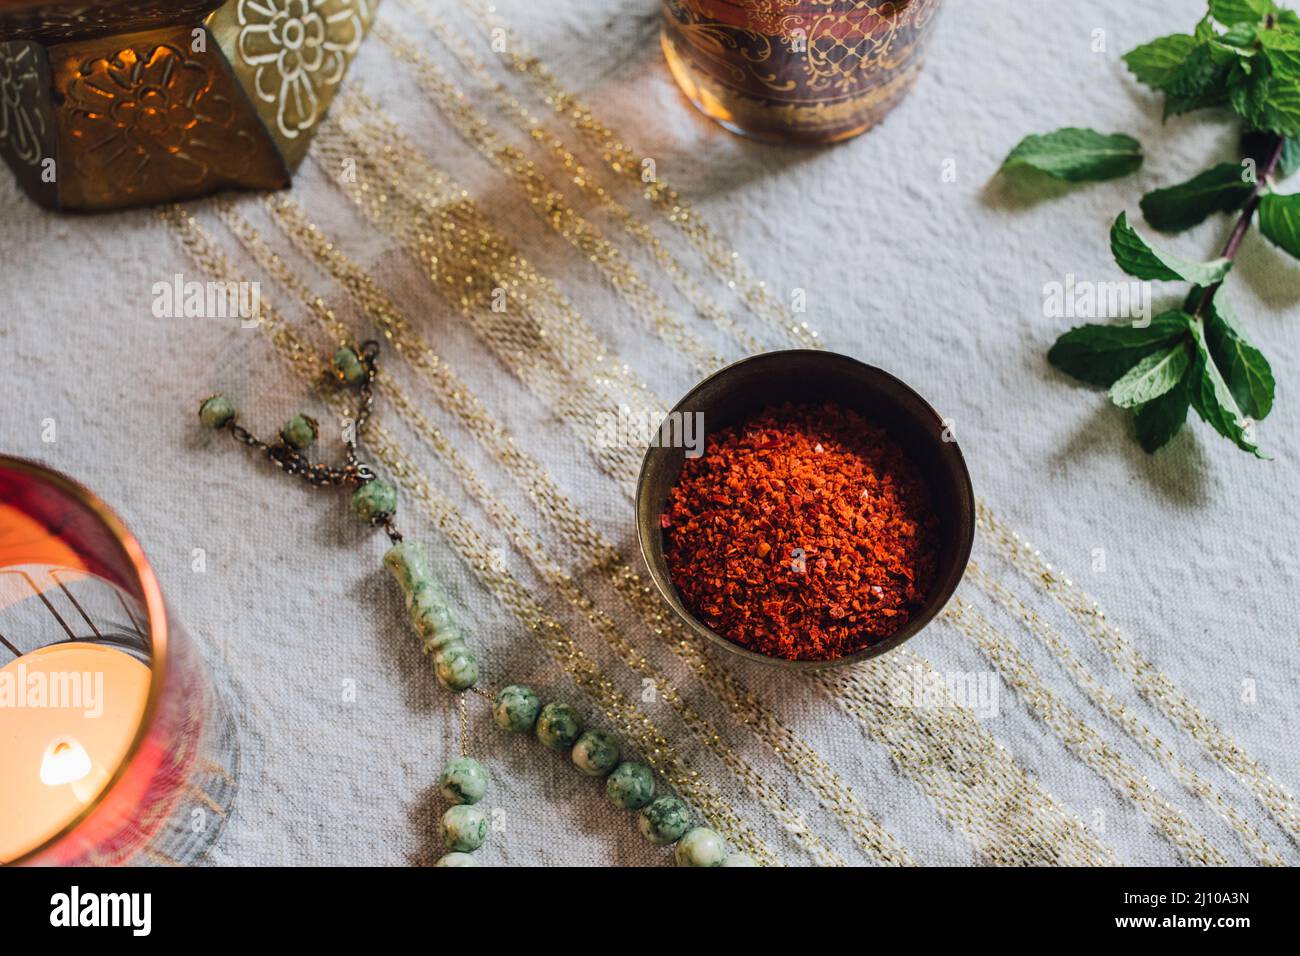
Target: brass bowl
column 806, row 376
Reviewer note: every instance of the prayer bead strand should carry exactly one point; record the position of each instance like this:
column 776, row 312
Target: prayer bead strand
column 663, row 820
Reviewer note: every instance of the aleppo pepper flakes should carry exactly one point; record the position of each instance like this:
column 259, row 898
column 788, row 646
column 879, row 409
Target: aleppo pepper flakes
column 805, row 533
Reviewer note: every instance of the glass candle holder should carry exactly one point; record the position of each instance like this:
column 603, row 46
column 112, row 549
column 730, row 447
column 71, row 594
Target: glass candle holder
column 796, row 71
column 116, row 747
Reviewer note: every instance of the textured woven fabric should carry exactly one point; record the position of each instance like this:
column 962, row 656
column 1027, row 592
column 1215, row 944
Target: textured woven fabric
column 1163, row 734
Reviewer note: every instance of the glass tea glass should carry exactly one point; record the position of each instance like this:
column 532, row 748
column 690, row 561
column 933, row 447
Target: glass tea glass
column 115, row 746
column 796, row 71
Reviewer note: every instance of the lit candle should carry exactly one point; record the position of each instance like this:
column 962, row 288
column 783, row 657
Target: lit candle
column 68, row 715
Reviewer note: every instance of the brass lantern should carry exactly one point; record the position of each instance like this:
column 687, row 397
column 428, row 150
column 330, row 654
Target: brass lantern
column 113, row 103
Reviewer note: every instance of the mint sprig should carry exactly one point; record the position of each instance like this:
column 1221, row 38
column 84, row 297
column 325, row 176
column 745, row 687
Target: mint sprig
column 1279, row 221
column 1221, row 188
column 1244, row 368
column 1151, row 377
column 1101, row 354
column 1243, row 55
column 1078, row 155
column 1141, row 260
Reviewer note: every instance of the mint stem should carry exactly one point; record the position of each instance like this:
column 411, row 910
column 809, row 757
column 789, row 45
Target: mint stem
column 1243, row 222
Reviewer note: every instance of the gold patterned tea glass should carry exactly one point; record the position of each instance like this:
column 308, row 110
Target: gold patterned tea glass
column 796, row 71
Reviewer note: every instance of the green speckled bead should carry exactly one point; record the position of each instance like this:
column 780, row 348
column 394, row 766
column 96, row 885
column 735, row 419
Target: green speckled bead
column 631, row 786
column 558, row 726
column 426, row 601
column 457, row 859
column 455, row 667
column 433, row 620
column 664, row 820
column 408, row 564
column 595, row 753
column 375, row 501
column 700, row 847
column 449, row 650
column 441, row 640
column 217, row 411
column 348, row 365
column 739, row 859
column 464, row 828
column 300, row 432
column 464, row 780
column 516, row 708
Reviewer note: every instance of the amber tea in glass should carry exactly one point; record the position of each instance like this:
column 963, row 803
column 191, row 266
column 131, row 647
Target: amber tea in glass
column 796, row 71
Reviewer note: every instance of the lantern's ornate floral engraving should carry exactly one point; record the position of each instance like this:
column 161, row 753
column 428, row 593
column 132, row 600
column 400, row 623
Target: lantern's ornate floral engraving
column 145, row 101
column 22, row 123
column 144, row 115
column 298, row 48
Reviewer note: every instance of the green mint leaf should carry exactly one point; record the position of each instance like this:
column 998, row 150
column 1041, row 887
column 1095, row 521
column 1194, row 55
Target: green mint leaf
column 1266, row 98
column 1201, row 80
column 1077, row 155
column 1160, row 420
column 1219, row 189
column 1213, row 400
column 1244, row 368
column 1282, row 50
column 1155, row 62
column 1151, row 377
column 1232, row 12
column 1248, row 93
column 1136, row 257
column 1242, row 36
column 1279, row 220
column 1100, row 354
column 1282, row 106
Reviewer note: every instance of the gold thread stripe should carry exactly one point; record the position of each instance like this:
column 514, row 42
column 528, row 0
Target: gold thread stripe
column 619, row 710
column 1081, row 738
column 971, row 779
column 1152, row 684
column 583, row 538
column 389, row 204
column 394, row 327
column 540, row 337
column 587, row 184
column 549, row 203
column 1124, row 717
column 725, row 263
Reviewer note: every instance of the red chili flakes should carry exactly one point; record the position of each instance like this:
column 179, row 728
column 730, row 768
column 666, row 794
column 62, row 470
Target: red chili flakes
column 805, row 533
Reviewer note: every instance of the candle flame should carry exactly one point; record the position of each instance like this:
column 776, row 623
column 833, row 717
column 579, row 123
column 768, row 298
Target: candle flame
column 65, row 761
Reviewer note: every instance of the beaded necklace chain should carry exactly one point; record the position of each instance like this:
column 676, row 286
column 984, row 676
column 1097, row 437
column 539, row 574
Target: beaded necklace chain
column 662, row 820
